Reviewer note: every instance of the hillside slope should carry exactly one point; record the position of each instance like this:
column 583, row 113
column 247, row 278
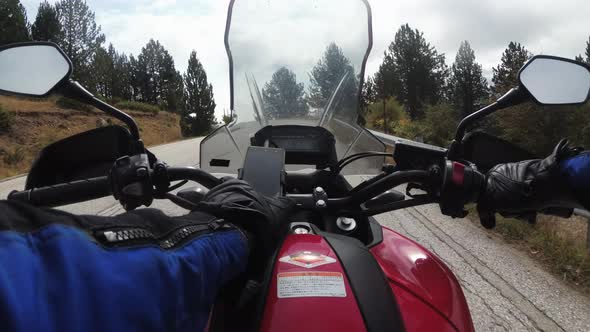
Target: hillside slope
column 36, row 123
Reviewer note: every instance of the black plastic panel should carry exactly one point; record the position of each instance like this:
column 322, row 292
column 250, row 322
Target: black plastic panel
column 264, row 169
column 373, row 293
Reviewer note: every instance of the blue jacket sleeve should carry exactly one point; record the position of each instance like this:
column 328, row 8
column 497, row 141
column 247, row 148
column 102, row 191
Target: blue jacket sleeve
column 577, row 173
column 57, row 276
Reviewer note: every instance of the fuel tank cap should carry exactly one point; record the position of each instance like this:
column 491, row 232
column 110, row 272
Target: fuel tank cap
column 301, row 228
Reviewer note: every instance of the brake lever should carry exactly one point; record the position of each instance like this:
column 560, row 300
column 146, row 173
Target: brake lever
column 411, row 186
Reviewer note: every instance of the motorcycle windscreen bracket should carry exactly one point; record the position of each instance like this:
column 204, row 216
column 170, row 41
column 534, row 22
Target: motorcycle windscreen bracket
column 264, row 169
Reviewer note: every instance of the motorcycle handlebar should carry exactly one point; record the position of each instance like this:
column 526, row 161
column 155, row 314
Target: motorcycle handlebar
column 388, row 182
column 93, row 188
column 64, row 193
column 365, row 193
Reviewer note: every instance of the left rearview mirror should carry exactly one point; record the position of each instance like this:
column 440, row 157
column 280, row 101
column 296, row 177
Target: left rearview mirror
column 556, row 81
column 32, row 69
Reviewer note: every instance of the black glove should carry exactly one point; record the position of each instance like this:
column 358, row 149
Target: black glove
column 263, row 217
column 523, row 188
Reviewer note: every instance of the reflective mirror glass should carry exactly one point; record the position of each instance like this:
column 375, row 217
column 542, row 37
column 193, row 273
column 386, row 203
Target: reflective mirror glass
column 32, row 69
column 554, row 81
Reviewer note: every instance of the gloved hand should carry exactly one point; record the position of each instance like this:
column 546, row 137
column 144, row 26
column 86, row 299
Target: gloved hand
column 238, row 203
column 523, row 188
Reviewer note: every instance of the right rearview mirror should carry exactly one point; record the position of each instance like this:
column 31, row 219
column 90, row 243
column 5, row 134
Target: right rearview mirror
column 556, row 81
column 32, row 68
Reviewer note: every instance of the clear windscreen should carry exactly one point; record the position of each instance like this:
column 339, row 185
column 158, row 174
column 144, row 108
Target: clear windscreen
column 296, row 62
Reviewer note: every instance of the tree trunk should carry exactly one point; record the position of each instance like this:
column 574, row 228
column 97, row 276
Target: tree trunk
column 384, row 116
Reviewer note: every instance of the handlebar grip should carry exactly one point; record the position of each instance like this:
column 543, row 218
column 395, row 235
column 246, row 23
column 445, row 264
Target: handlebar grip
column 64, row 193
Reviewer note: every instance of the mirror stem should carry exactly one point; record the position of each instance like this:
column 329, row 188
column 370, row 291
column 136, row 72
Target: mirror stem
column 74, row 89
column 513, row 97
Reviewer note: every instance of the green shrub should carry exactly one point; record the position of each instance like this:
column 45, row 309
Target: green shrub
column 14, row 157
column 116, row 100
column 72, row 104
column 439, row 124
column 6, row 120
column 395, row 114
column 137, row 106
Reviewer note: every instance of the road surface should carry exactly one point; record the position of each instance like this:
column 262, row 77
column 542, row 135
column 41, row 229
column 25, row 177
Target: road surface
column 505, row 289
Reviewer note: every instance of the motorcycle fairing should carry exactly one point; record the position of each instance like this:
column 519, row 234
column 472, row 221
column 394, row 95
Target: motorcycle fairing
column 420, row 275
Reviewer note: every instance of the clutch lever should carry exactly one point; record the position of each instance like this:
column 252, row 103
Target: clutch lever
column 412, row 186
column 389, row 196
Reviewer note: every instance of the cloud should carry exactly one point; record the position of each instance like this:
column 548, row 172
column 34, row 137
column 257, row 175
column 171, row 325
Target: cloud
column 543, row 26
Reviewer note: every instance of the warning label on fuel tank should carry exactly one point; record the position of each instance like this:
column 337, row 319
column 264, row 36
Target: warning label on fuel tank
column 310, row 284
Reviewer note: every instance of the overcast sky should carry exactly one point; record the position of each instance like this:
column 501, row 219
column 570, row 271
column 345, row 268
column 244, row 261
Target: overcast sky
column 543, row 26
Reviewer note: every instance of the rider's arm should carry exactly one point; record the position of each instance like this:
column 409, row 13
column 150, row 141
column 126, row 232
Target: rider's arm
column 61, row 272
column 521, row 188
column 576, row 171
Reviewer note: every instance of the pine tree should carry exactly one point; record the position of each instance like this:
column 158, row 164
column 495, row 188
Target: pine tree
column 327, row 75
column 368, row 95
column 505, row 76
column 80, row 38
column 386, row 86
column 171, row 85
column 468, row 89
column 135, row 79
column 46, row 26
column 102, row 71
column 14, row 26
column 198, row 114
column 122, row 78
column 156, row 79
column 588, row 51
column 419, row 71
column 283, row 96
column 120, row 75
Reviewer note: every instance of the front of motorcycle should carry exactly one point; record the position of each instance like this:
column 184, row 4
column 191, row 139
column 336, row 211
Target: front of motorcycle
column 296, row 72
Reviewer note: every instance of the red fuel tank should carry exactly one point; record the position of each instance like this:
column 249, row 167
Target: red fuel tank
column 310, row 291
column 419, row 279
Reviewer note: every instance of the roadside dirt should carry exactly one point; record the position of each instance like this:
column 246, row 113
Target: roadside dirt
column 37, row 123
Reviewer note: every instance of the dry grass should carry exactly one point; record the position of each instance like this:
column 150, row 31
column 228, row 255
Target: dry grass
column 558, row 243
column 39, row 122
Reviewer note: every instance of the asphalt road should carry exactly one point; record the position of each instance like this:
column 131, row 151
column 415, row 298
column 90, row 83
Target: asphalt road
column 505, row 289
